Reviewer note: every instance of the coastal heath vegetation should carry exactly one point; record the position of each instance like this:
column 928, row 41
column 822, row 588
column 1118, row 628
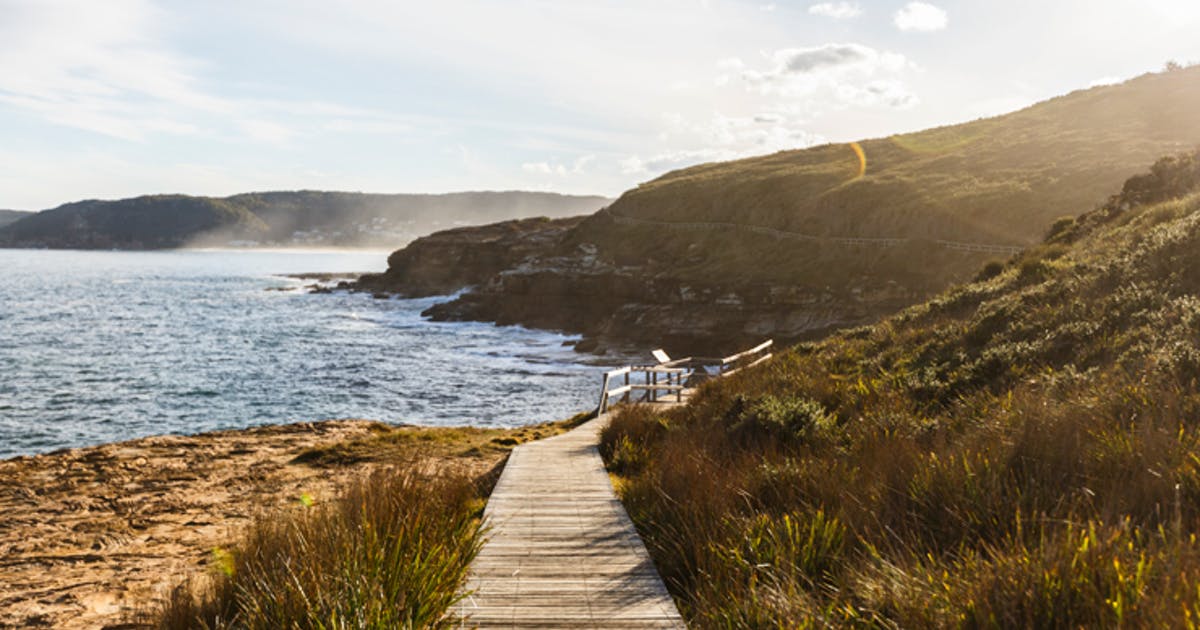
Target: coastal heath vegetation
column 1021, row 451
column 391, row 552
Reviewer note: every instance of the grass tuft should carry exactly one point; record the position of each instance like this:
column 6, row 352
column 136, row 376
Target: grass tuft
column 391, row 552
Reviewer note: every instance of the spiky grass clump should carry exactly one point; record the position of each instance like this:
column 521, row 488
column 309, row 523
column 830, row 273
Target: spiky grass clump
column 391, row 552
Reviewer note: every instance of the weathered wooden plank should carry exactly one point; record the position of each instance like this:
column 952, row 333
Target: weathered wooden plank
column 562, row 552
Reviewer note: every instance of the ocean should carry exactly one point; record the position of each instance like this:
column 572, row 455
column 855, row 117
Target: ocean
column 99, row 347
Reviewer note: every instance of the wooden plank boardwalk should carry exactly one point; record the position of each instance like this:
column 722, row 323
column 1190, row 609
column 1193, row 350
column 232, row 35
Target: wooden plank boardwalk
column 562, row 552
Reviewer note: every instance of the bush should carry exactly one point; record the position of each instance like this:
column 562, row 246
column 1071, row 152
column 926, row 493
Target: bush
column 392, row 552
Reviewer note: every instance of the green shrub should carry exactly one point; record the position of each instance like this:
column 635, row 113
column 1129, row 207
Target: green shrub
column 392, row 552
column 1022, row 452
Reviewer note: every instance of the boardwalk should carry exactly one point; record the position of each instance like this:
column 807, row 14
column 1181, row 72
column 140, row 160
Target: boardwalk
column 562, row 552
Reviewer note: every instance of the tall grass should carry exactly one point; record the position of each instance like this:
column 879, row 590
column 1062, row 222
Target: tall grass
column 1020, row 452
column 391, row 552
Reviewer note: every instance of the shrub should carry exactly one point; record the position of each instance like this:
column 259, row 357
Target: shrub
column 990, row 269
column 392, row 552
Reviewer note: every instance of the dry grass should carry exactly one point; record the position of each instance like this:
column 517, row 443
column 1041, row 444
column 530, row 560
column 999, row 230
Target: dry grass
column 1023, row 451
column 391, row 552
column 1000, row 180
column 473, row 443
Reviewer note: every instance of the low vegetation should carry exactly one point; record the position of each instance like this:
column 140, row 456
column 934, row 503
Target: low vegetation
column 1022, row 451
column 391, row 552
column 998, row 180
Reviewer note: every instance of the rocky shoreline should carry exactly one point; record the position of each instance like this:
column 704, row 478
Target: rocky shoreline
column 549, row 275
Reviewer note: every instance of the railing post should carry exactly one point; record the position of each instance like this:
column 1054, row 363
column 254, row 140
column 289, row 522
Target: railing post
column 627, row 384
column 603, row 396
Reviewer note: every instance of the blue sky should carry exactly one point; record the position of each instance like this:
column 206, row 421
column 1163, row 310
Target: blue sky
column 115, row 98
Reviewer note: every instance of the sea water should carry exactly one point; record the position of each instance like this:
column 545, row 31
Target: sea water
column 104, row 346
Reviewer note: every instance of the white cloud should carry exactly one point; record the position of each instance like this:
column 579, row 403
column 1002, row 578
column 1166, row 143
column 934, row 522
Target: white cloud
column 836, row 10
column 578, row 167
column 722, row 138
column 886, row 92
column 96, row 66
column 796, row 72
column 1105, row 81
column 830, row 57
column 921, row 17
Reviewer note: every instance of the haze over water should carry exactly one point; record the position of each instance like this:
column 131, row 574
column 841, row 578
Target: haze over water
column 104, row 346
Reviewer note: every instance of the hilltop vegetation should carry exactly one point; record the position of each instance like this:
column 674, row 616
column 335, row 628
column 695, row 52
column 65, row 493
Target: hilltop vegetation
column 11, row 216
column 296, row 219
column 1021, row 451
column 999, row 181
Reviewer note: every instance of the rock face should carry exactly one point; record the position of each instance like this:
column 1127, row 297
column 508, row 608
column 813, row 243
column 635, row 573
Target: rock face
column 531, row 273
column 615, row 306
column 445, row 262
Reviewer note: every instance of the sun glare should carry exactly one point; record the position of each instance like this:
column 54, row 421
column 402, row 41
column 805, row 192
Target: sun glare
column 862, row 159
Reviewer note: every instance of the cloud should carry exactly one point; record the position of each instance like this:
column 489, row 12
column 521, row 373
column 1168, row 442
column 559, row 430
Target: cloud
column 103, row 68
column 805, row 61
column 836, row 10
column 888, row 92
column 104, row 72
column 921, row 17
column 722, row 138
column 796, row 72
column 578, row 167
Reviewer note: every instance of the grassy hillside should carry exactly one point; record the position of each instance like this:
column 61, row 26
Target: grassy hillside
column 302, row 218
column 11, row 216
column 1000, row 180
column 1022, row 451
column 151, row 222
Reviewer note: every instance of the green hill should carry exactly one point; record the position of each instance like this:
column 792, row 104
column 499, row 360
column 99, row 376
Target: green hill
column 800, row 242
column 302, row 218
column 1021, row 451
column 152, row 222
column 11, row 216
column 998, row 181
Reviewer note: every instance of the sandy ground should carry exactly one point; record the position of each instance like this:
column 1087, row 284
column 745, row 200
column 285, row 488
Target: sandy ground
column 89, row 535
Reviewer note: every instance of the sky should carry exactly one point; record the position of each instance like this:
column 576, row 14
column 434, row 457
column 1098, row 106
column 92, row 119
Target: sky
column 120, row 98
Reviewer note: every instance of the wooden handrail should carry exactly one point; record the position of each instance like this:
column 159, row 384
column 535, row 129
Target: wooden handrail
column 755, row 350
column 676, row 376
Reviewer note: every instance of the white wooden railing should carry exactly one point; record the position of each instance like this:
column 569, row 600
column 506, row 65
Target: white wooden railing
column 673, row 376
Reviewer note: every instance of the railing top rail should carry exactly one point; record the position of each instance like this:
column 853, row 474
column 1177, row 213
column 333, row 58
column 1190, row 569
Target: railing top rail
column 755, row 350
column 660, row 369
column 672, row 369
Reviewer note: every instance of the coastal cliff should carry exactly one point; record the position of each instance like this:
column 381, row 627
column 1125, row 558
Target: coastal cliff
column 795, row 244
column 447, row 261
